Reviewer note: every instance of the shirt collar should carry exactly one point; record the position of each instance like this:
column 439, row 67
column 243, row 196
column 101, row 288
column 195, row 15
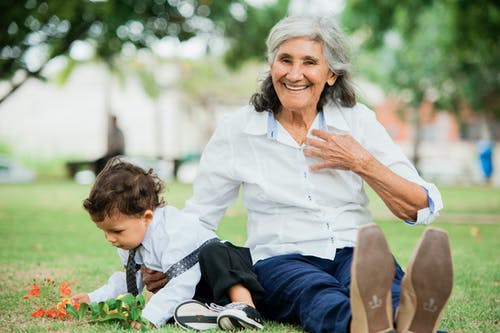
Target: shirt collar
column 257, row 123
column 334, row 117
column 147, row 242
column 260, row 123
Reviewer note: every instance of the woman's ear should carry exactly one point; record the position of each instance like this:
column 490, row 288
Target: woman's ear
column 331, row 80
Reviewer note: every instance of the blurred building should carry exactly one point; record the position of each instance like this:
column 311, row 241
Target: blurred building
column 448, row 149
column 43, row 119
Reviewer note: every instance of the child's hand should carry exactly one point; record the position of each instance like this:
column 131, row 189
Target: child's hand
column 135, row 324
column 81, row 298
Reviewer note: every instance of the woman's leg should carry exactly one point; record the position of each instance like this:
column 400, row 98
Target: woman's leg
column 305, row 290
column 315, row 297
column 396, row 287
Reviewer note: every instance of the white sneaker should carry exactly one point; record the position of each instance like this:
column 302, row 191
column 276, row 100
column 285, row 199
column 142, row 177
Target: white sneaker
column 196, row 315
column 238, row 316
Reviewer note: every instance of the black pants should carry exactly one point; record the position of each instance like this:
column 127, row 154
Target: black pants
column 224, row 265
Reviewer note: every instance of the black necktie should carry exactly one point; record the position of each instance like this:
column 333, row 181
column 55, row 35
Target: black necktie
column 130, row 270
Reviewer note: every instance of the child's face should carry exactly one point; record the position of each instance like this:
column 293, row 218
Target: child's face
column 125, row 232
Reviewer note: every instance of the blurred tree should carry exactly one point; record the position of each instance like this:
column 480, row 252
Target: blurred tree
column 445, row 51
column 248, row 31
column 37, row 31
column 208, row 83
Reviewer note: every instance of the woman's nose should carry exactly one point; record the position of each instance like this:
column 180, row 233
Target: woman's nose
column 295, row 72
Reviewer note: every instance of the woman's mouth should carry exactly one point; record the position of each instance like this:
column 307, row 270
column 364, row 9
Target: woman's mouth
column 295, row 88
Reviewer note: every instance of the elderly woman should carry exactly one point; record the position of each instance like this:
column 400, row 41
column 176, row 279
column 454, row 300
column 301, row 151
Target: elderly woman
column 302, row 152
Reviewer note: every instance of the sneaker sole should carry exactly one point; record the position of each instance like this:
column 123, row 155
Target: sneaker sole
column 432, row 279
column 195, row 315
column 232, row 320
column 374, row 269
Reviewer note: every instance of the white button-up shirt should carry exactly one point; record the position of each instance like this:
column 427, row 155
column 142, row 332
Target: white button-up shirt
column 171, row 236
column 290, row 208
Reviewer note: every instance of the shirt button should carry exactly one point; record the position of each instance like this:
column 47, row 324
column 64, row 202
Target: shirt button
column 309, row 197
column 305, row 174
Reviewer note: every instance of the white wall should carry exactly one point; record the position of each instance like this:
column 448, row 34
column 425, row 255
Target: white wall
column 43, row 119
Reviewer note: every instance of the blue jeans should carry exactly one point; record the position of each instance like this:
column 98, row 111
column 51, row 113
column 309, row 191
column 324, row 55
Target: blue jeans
column 310, row 291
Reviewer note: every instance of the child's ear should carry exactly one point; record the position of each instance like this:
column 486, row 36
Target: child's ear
column 148, row 216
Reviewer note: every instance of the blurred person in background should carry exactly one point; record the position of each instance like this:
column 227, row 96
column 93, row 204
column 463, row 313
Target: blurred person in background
column 115, row 144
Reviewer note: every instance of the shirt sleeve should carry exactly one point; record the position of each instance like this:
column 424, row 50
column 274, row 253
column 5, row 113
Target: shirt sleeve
column 380, row 144
column 435, row 204
column 214, row 188
column 160, row 307
column 116, row 285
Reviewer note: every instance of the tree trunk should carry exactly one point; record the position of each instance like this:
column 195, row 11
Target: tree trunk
column 158, row 128
column 417, row 136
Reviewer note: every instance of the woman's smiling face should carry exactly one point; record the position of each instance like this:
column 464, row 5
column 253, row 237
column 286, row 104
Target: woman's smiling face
column 299, row 72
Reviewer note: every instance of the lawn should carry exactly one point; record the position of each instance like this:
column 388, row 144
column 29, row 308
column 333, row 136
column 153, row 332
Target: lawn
column 46, row 233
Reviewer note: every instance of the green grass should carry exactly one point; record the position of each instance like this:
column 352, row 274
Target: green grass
column 46, row 233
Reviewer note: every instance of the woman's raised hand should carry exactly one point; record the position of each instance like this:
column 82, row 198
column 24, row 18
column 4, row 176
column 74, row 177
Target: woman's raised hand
column 336, row 151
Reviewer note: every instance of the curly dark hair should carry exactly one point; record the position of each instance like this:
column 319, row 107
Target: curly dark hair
column 122, row 187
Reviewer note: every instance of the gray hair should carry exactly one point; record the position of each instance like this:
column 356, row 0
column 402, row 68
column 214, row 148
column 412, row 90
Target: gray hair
column 321, row 29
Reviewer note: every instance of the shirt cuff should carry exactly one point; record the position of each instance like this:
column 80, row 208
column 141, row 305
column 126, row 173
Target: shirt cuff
column 155, row 315
column 116, row 285
column 428, row 214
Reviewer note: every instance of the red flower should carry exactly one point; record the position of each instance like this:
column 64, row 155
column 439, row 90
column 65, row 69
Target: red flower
column 52, row 313
column 46, row 291
column 65, row 289
column 38, row 313
column 34, row 291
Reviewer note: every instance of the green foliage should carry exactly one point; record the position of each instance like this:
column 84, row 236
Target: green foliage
column 47, row 29
column 124, row 309
column 5, row 148
column 447, row 51
column 207, row 80
column 107, row 25
column 247, row 37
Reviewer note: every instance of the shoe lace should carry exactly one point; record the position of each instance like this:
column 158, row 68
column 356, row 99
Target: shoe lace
column 215, row 307
column 234, row 305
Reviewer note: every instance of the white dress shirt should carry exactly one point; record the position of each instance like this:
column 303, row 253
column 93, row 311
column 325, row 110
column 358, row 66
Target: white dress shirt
column 171, row 235
column 290, row 208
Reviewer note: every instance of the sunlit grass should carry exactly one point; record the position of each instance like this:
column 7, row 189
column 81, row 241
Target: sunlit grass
column 46, row 232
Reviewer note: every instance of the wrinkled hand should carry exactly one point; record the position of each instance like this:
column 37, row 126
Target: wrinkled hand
column 336, row 151
column 153, row 280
